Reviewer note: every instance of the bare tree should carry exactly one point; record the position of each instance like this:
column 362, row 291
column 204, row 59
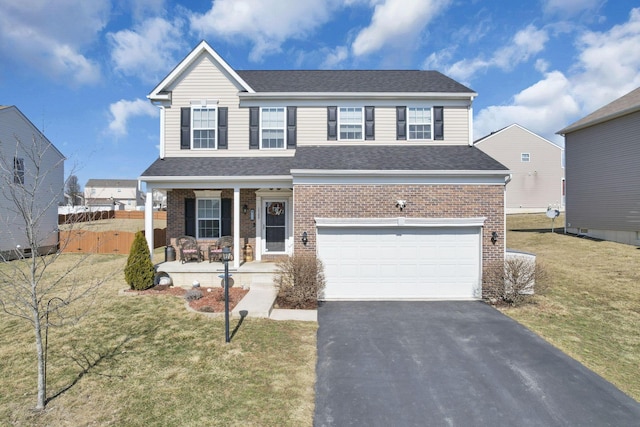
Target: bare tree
column 31, row 181
column 73, row 189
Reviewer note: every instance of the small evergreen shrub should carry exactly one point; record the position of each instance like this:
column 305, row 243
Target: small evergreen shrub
column 139, row 271
column 300, row 280
column 193, row 294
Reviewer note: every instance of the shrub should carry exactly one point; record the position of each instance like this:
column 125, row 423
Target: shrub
column 193, row 294
column 300, row 280
column 516, row 279
column 139, row 271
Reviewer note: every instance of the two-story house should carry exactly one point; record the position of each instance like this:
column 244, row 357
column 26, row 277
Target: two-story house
column 32, row 181
column 373, row 171
column 110, row 194
column 536, row 165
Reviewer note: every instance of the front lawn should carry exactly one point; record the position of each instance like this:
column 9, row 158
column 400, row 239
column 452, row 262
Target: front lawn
column 147, row 361
column 592, row 308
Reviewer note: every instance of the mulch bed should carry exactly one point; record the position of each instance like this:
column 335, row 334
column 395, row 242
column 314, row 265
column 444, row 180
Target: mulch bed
column 287, row 304
column 212, row 300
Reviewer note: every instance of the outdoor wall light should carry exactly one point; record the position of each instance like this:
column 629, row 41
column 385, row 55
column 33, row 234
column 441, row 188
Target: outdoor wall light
column 401, row 204
column 305, row 238
column 244, row 209
column 494, row 237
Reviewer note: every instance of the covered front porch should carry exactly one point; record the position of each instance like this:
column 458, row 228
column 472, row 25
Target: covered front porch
column 259, row 219
column 247, row 274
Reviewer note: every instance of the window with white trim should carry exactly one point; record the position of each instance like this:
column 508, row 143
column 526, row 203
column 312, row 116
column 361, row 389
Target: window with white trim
column 203, row 126
column 525, row 157
column 18, row 170
column 272, row 123
column 419, row 123
column 350, row 122
column 207, row 218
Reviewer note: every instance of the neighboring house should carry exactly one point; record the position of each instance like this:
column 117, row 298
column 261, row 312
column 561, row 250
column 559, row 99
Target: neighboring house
column 47, row 185
column 603, row 176
column 115, row 194
column 373, row 171
column 536, row 165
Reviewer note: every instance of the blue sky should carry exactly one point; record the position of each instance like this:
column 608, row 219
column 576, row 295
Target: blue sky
column 80, row 70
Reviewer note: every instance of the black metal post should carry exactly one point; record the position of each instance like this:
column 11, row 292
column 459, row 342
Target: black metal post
column 225, row 256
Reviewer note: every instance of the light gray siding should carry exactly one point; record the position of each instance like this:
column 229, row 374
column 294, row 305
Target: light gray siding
column 603, row 175
column 536, row 184
column 49, row 192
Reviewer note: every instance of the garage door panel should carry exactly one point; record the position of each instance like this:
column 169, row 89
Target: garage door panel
column 400, row 263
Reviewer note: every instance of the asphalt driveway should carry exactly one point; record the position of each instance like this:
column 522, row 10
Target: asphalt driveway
column 451, row 364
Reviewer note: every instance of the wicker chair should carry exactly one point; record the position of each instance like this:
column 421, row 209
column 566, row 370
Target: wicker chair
column 215, row 250
column 189, row 249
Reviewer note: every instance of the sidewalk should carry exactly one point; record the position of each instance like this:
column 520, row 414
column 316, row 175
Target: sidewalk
column 258, row 302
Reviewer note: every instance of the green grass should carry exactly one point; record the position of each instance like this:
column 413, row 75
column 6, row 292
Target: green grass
column 146, row 361
column 591, row 309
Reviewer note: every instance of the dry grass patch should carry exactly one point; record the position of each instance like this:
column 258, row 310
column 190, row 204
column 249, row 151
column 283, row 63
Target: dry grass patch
column 140, row 361
column 590, row 309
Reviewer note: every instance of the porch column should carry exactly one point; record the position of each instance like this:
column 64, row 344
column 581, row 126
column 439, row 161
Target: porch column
column 148, row 219
column 236, row 227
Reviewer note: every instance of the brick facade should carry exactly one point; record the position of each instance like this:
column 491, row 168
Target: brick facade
column 423, row 201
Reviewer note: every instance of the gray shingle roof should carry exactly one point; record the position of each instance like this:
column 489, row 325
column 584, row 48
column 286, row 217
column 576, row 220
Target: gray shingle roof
column 422, row 158
column 626, row 104
column 370, row 158
column 220, row 166
column 112, row 183
column 351, row 81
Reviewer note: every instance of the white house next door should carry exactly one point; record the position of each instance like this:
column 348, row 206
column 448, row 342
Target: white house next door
column 275, row 226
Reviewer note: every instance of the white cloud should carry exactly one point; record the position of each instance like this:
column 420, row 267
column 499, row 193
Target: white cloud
column 51, row 36
column 265, row 23
column 148, row 51
column 335, row 57
column 608, row 67
column 568, row 8
column 543, row 108
column 524, row 44
column 394, row 21
column 124, row 110
column 609, row 63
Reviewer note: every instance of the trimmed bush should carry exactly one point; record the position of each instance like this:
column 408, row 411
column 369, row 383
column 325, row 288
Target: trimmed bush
column 300, row 280
column 139, row 271
column 193, row 295
column 516, row 280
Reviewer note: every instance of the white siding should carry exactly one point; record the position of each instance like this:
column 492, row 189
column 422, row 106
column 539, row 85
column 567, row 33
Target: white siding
column 50, row 191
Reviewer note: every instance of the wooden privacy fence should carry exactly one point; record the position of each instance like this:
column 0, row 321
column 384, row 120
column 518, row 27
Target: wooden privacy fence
column 104, row 242
column 98, row 215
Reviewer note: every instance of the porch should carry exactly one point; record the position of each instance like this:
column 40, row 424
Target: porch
column 247, row 274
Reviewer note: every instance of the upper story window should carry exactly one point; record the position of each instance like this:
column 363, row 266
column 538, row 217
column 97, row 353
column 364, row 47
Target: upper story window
column 208, row 218
column 272, row 127
column 525, row 157
column 203, row 126
column 419, row 123
column 350, row 121
column 18, row 170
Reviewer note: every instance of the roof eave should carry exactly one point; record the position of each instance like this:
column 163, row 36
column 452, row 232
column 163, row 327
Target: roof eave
column 352, row 172
column 574, row 128
column 352, row 95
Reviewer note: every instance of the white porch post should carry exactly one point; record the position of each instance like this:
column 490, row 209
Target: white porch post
column 236, row 227
column 148, row 218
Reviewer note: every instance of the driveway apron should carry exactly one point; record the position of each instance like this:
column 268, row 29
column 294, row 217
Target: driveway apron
column 438, row 363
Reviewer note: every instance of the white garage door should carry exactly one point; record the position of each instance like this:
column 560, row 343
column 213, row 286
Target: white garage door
column 400, row 263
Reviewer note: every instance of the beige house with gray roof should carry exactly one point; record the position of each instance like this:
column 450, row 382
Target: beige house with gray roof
column 603, row 172
column 536, row 165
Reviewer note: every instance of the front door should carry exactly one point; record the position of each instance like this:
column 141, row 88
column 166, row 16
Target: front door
column 275, row 225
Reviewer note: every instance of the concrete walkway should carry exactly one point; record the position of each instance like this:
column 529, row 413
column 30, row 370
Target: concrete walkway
column 259, row 303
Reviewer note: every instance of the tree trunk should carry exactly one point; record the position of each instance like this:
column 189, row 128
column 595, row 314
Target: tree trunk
column 42, row 379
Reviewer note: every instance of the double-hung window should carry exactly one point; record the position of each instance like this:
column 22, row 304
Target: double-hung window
column 18, row 170
column 208, row 218
column 419, row 123
column 350, row 120
column 203, row 126
column 272, row 127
